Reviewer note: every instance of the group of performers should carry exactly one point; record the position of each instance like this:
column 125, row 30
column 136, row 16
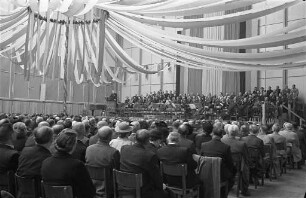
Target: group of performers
column 243, row 104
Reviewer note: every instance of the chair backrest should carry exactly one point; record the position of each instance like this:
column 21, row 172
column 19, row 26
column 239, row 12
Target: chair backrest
column 175, row 170
column 53, row 191
column 27, row 186
column 127, row 180
column 102, row 173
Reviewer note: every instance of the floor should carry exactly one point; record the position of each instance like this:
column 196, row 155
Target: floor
column 289, row 185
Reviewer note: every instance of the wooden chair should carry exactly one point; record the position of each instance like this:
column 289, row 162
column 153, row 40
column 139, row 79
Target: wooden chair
column 255, row 158
column 6, row 194
column 102, row 174
column 7, row 182
column 281, row 147
column 27, row 186
column 237, row 159
column 179, row 170
column 129, row 182
column 53, row 191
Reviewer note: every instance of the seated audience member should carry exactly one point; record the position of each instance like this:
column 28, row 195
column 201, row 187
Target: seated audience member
column 56, row 130
column 175, row 154
column 155, row 140
column 183, row 130
column 225, row 136
column 62, row 169
column 94, row 139
column 136, row 127
column 244, row 131
column 302, row 138
column 253, row 141
column 239, row 147
column 175, row 125
column 216, row 148
column 123, row 129
column 31, row 158
column 8, row 155
column 80, row 148
column 136, row 159
column 21, row 135
column 293, row 140
column 263, row 135
column 102, row 155
column 203, row 137
column 43, row 123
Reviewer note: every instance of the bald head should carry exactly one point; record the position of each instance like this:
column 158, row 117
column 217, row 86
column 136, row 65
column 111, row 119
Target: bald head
column 57, row 128
column 43, row 123
column 142, row 136
column 79, row 128
column 102, row 124
column 105, row 133
column 253, row 129
column 183, row 130
column 43, row 135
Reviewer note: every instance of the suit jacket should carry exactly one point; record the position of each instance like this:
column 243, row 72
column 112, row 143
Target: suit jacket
column 255, row 142
column 188, row 144
column 136, row 159
column 101, row 154
column 237, row 147
column 62, row 169
column 216, row 148
column 175, row 154
column 152, row 147
column 201, row 138
column 8, row 158
column 80, row 151
column 30, row 161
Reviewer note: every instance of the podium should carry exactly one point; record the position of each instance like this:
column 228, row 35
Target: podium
column 93, row 107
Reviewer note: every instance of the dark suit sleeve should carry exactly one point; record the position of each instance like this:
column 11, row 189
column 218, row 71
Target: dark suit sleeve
column 14, row 162
column 191, row 164
column 116, row 160
column 154, row 172
column 83, row 183
column 193, row 148
column 198, row 143
column 261, row 148
column 229, row 160
column 245, row 154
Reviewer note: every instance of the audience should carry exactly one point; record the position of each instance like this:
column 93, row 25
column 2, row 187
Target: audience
column 55, row 148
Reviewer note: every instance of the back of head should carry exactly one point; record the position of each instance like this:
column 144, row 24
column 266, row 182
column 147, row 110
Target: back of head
column 38, row 120
column 217, row 125
column 102, row 124
column 142, row 136
column 43, row 123
column 226, row 128
column 6, row 131
column 276, row 128
column 233, row 130
column 57, row 128
column 105, row 133
column 217, row 132
column 174, row 137
column 66, row 141
column 244, row 130
column 79, row 128
column 207, row 127
column 288, row 126
column 183, row 130
column 68, row 123
column 264, row 128
column 155, row 134
column 43, row 135
column 176, row 124
column 253, row 129
column 20, row 129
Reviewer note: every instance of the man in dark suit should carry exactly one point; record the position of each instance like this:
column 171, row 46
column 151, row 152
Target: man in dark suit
column 155, row 141
column 136, row 159
column 184, row 142
column 216, row 148
column 62, row 169
column 102, row 154
column 31, row 158
column 8, row 156
column 172, row 153
column 80, row 149
column 241, row 148
column 203, row 137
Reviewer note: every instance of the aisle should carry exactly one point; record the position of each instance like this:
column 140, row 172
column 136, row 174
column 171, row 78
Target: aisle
column 290, row 185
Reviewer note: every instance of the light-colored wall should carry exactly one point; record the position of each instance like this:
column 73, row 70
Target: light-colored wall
column 280, row 78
